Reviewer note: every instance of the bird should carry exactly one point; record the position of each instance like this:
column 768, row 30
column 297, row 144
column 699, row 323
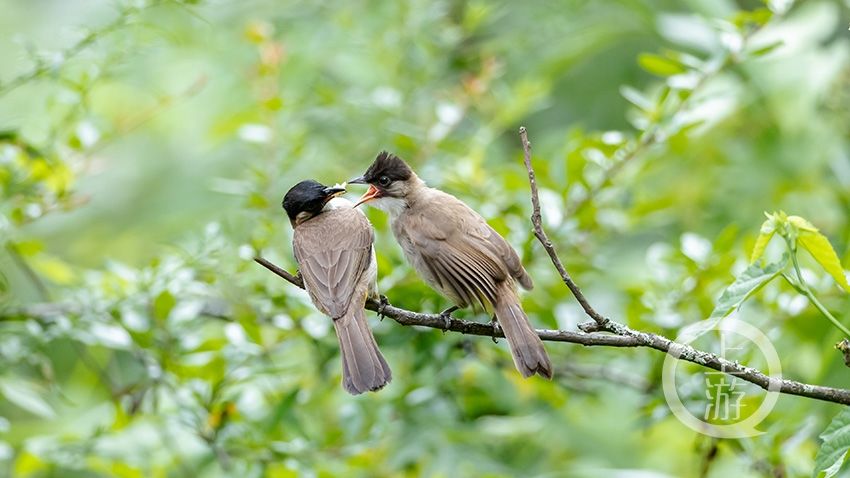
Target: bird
column 457, row 253
column 332, row 244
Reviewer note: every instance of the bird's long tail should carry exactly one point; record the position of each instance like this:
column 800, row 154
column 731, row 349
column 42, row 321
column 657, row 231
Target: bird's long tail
column 363, row 367
column 526, row 347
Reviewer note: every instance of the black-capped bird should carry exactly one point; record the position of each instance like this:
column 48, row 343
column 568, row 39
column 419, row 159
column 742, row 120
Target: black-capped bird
column 332, row 243
column 457, row 253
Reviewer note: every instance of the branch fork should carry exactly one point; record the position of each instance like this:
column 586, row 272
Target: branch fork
column 601, row 331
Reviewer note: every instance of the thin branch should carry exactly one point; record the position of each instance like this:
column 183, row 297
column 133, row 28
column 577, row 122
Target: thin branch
column 658, row 342
column 43, row 67
column 646, row 140
column 651, row 135
column 292, row 279
column 806, row 291
column 47, row 312
column 624, row 337
column 536, row 221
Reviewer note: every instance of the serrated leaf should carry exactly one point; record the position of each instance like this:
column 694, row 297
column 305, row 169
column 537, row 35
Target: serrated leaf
column 745, row 285
column 836, row 443
column 819, row 247
column 24, row 395
column 765, row 234
column 660, row 65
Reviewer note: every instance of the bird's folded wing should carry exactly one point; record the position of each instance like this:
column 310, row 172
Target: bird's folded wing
column 461, row 250
column 333, row 252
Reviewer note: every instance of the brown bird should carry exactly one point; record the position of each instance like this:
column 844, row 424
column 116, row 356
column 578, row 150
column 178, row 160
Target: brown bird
column 457, row 253
column 332, row 243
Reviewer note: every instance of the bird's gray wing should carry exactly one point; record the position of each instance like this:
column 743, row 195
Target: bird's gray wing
column 333, row 251
column 466, row 257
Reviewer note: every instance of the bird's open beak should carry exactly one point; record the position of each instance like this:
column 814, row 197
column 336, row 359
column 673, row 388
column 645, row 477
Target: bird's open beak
column 357, row 180
column 372, row 193
column 331, row 193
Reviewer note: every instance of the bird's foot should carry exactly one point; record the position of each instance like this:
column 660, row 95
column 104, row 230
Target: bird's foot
column 383, row 302
column 446, row 315
column 496, row 328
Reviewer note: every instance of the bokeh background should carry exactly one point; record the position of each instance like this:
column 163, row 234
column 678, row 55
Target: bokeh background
column 145, row 146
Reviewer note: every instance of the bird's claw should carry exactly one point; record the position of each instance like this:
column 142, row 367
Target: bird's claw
column 495, row 324
column 383, row 302
column 446, row 315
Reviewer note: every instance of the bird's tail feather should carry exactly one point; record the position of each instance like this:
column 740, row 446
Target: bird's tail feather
column 363, row 367
column 529, row 355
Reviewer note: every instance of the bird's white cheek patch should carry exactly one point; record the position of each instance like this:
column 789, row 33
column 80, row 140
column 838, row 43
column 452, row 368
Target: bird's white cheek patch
column 391, row 206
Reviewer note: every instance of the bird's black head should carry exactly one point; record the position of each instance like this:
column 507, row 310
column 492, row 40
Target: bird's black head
column 386, row 169
column 306, row 199
column 386, row 177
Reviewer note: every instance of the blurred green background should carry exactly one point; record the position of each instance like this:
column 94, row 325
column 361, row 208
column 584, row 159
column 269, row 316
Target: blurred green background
column 145, row 147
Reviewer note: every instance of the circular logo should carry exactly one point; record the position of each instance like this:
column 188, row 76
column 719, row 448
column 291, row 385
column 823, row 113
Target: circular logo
column 725, row 394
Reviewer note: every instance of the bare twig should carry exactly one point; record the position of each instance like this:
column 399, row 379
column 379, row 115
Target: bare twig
column 658, row 342
column 292, row 279
column 547, row 244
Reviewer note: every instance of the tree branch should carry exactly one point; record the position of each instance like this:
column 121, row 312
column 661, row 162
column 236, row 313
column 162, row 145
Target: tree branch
column 624, row 337
column 631, row 338
column 658, row 342
column 292, row 279
column 536, row 221
column 652, row 134
column 591, row 335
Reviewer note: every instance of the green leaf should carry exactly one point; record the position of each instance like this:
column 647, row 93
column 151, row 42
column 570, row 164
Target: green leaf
column 636, row 98
column 758, row 17
column 28, row 248
column 660, row 65
column 54, row 269
column 836, row 443
column 257, row 201
column 764, row 50
column 819, row 247
column 26, row 396
column 162, row 305
column 801, row 224
column 745, row 285
column 765, row 234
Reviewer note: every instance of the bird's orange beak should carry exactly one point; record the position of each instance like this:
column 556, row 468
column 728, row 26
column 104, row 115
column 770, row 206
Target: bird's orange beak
column 372, row 193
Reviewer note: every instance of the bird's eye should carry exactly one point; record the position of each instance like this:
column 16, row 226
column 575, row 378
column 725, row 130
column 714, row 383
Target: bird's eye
column 384, row 181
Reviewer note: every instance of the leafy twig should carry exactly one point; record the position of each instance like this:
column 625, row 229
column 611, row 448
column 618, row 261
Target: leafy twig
column 651, row 136
column 804, row 289
column 42, row 67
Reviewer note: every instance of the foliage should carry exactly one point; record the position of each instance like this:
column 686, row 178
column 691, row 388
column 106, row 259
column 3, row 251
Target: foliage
column 836, row 442
column 145, row 146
